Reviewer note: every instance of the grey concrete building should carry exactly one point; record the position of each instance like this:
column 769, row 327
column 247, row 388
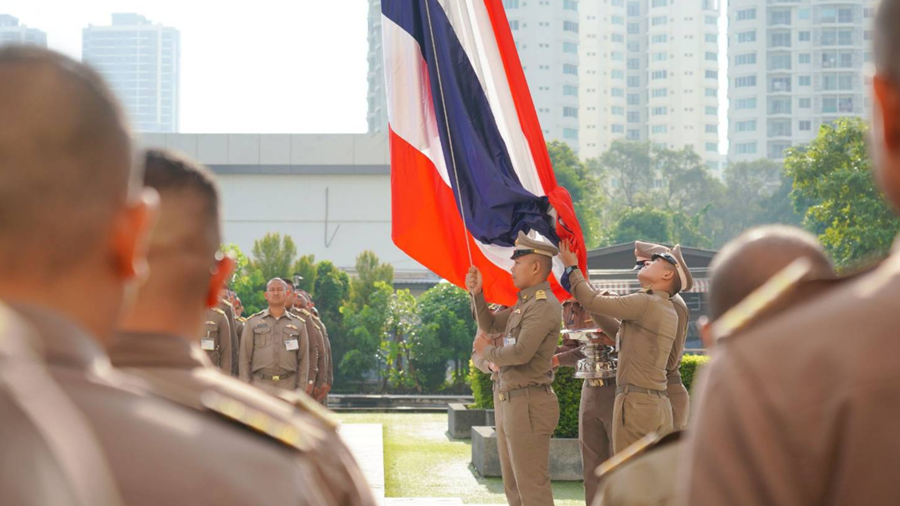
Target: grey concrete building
column 792, row 67
column 546, row 34
column 649, row 72
column 142, row 62
column 11, row 32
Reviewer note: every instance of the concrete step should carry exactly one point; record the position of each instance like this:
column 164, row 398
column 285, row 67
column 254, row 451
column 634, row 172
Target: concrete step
column 426, row 501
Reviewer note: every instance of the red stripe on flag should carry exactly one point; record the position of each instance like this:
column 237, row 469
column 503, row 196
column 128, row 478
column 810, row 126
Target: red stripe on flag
column 427, row 225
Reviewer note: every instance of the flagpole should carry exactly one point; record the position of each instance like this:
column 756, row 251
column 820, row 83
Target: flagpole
column 449, row 135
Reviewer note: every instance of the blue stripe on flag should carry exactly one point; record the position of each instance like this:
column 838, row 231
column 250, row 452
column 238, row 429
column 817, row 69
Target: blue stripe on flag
column 495, row 204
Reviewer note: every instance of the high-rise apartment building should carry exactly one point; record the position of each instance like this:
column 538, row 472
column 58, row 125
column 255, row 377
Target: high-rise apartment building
column 11, row 32
column 141, row 60
column 793, row 65
column 547, row 36
column 649, row 71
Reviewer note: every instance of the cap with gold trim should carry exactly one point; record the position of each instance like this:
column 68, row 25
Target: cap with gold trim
column 527, row 246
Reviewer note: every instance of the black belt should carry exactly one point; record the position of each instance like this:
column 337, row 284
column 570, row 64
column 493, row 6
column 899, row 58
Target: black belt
column 505, row 396
column 276, row 377
column 624, row 389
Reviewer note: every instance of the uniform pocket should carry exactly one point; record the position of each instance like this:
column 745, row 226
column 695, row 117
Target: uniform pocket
column 262, row 337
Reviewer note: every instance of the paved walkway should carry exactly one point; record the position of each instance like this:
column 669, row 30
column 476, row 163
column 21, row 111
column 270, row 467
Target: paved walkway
column 366, row 443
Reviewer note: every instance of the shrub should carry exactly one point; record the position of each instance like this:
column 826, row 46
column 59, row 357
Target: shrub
column 690, row 364
column 482, row 388
column 568, row 390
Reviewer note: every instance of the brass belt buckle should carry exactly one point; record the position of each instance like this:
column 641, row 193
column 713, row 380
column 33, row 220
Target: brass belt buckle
column 276, row 378
column 502, row 396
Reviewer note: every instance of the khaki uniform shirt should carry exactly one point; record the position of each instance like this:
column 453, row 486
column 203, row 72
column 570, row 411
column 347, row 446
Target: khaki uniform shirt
column 163, row 446
column 239, row 324
column 318, row 366
column 647, row 334
column 215, row 339
column 533, row 325
column 481, row 363
column 165, row 360
column 329, row 363
column 265, row 343
column 228, row 309
column 48, row 452
column 802, row 408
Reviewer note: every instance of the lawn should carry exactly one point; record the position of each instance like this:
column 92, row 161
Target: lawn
column 422, row 461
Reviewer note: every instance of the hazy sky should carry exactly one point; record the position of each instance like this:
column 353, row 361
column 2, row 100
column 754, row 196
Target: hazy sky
column 265, row 66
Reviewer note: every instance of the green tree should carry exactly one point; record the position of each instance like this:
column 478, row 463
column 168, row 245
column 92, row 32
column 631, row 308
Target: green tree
column 247, row 282
column 446, row 334
column 364, row 329
column 274, row 255
column 369, row 270
column 331, row 291
column 398, row 344
column 582, row 184
column 833, row 177
column 644, row 224
column 305, row 267
column 629, row 167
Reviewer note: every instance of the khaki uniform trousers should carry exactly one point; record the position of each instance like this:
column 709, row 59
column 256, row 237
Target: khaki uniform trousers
column 528, row 420
column 595, row 428
column 681, row 405
column 637, row 414
column 506, row 470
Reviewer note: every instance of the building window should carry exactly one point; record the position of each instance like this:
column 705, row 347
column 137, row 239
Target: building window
column 747, row 36
column 617, row 20
column 829, row 105
column 634, row 28
column 712, row 129
column 658, row 3
column 511, row 4
column 710, row 56
column 745, row 82
column 633, row 135
column 746, row 126
column 845, row 15
column 712, row 92
column 659, row 92
column 779, row 84
column 779, row 129
column 781, row 61
column 570, row 47
column 634, row 64
column 660, row 38
column 659, row 20
column 658, row 74
column 845, row 37
column 659, row 111
column 570, row 90
column 712, row 74
column 617, row 110
column 634, row 46
column 514, row 24
column 634, row 117
column 618, row 129
column 618, row 3
column 618, row 37
column 712, row 110
column 633, row 81
column 803, row 14
column 711, row 37
column 746, row 14
column 845, row 82
column 659, row 56
column 745, row 59
column 570, row 133
column 780, row 18
column 779, row 106
column 805, row 103
column 617, row 56
column 805, row 126
column 712, row 147
column 776, row 150
column 570, row 5
column 634, row 9
column 634, row 99
column 746, row 103
column 711, row 20
column 746, row 148
column 568, row 68
column 570, row 26
column 618, row 92
column 617, row 74
column 659, row 129
column 804, row 58
column 804, row 36
column 780, row 40
column 827, row 15
column 804, row 80
column 570, row 112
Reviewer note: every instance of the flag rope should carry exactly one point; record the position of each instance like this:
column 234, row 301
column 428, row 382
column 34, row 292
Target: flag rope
column 449, row 134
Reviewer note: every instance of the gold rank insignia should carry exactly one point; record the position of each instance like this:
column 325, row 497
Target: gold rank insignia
column 540, row 295
column 210, row 323
column 518, row 311
column 219, row 311
column 257, row 420
column 291, row 327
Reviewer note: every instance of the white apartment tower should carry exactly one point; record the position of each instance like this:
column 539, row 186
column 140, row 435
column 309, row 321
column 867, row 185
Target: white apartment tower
column 546, row 35
column 142, row 62
column 649, row 72
column 11, row 32
column 793, row 65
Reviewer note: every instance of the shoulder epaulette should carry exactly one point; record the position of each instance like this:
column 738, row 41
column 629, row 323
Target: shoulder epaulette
column 227, row 303
column 638, row 448
column 540, row 295
column 217, row 310
column 307, row 405
column 256, row 314
column 242, row 319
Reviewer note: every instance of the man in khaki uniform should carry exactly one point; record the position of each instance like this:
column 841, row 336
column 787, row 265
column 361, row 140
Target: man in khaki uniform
column 275, row 347
column 160, row 349
column 50, row 454
column 227, row 308
column 678, row 394
column 215, row 339
column 318, row 366
column 66, row 139
column 530, row 409
column 646, row 338
column 239, row 319
column 598, row 397
column 329, row 360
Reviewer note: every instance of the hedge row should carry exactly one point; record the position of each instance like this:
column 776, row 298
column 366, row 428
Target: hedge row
column 568, row 389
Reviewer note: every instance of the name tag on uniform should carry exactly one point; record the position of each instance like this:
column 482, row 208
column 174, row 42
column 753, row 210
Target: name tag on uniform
column 292, row 345
column 509, row 341
column 207, row 344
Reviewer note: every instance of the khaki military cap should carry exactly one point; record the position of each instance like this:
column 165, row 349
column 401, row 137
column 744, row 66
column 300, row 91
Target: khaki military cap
column 527, row 246
column 674, row 257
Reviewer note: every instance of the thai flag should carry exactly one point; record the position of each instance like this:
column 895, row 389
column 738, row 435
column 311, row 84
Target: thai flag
column 466, row 144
